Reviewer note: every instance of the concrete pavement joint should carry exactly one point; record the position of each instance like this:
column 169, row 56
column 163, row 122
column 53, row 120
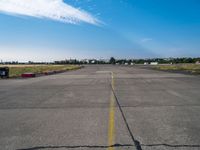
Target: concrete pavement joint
column 75, row 147
column 168, row 145
column 151, row 106
column 114, row 146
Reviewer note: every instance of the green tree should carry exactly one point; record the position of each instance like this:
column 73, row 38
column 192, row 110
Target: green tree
column 112, row 60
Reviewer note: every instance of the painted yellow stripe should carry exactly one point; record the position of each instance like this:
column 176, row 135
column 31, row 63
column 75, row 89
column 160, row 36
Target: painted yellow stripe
column 113, row 80
column 111, row 127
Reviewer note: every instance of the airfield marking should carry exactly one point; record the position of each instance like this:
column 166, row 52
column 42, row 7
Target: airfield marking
column 111, row 126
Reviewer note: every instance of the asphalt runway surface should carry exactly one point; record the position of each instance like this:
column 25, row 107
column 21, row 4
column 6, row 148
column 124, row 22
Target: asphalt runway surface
column 101, row 107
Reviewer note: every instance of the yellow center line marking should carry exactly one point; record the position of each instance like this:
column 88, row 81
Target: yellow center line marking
column 111, row 126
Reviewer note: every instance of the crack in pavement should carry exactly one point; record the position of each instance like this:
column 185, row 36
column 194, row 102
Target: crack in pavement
column 169, row 145
column 105, row 147
column 136, row 143
column 80, row 146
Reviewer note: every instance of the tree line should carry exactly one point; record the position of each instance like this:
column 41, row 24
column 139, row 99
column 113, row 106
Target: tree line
column 113, row 60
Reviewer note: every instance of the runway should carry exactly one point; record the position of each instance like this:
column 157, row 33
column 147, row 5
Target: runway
column 101, row 107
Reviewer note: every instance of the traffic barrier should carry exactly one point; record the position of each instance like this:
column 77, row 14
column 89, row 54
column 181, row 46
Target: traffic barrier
column 28, row 75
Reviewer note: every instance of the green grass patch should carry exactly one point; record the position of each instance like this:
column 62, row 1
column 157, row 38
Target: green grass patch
column 191, row 68
column 17, row 70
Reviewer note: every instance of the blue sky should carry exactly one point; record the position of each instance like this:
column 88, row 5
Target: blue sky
column 99, row 29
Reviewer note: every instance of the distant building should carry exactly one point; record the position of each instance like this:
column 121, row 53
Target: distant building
column 132, row 64
column 198, row 62
column 93, row 61
column 154, row 63
column 85, row 61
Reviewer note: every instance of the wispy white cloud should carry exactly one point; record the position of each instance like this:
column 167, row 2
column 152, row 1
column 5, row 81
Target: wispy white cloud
column 146, row 40
column 50, row 9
